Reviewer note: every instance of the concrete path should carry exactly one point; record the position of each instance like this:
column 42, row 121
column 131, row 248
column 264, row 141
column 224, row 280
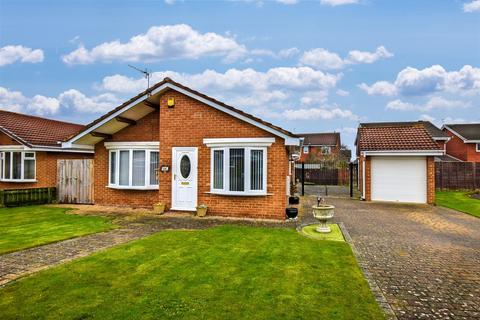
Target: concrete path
column 424, row 259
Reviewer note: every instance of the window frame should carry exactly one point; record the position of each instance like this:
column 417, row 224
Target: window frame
column 247, row 171
column 478, row 147
column 116, row 185
column 307, row 149
column 326, row 150
column 22, row 166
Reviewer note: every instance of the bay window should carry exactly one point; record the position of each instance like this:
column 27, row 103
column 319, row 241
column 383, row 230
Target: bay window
column 17, row 166
column 133, row 166
column 239, row 170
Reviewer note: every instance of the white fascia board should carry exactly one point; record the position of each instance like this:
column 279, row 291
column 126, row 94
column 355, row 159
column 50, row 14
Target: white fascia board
column 154, row 145
column 239, row 142
column 408, row 153
column 43, row 148
column 472, row 141
column 441, row 138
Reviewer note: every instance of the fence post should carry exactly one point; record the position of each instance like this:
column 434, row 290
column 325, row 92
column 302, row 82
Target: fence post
column 303, row 178
column 350, row 167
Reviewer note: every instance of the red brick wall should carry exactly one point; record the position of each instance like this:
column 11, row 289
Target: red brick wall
column 460, row 150
column 46, row 169
column 186, row 125
column 146, row 129
column 335, row 152
column 430, row 180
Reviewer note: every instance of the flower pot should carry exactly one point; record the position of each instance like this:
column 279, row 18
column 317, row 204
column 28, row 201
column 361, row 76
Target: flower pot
column 159, row 208
column 292, row 213
column 323, row 213
column 201, row 211
column 293, row 200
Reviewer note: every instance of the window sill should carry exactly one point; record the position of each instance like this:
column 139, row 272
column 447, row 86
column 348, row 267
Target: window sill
column 132, row 188
column 20, row 181
column 239, row 194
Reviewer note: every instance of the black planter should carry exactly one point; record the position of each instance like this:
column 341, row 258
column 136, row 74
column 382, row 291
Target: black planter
column 292, row 213
column 293, row 200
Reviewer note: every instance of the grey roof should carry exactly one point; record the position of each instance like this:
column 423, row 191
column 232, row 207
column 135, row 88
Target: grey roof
column 470, row 131
column 434, row 132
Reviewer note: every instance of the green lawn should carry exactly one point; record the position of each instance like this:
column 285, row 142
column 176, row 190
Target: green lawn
column 458, row 200
column 25, row 227
column 227, row 272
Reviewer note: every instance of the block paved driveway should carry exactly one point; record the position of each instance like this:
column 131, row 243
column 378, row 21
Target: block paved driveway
column 424, row 259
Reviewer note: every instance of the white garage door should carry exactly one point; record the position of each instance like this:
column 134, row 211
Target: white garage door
column 401, row 179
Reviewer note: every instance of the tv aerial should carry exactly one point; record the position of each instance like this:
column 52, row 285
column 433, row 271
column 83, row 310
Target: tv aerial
column 145, row 72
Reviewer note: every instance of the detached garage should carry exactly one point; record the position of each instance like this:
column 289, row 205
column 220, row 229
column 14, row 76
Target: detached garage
column 396, row 162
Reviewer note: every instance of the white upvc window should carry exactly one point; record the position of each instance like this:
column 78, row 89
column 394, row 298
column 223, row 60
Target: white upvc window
column 239, row 170
column 478, row 147
column 326, row 149
column 305, row 149
column 133, row 167
column 17, row 166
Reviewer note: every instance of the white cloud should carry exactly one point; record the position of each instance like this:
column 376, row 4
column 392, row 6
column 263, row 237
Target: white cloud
column 318, row 114
column 42, row 105
column 11, row 54
column 235, row 80
column 426, row 117
column 288, row 53
column 383, row 88
column 471, row 6
column 17, row 102
column 76, row 100
column 342, row 93
column 335, row 3
column 322, row 59
column 160, row 43
column 435, row 102
column 411, row 81
column 356, row 56
column 288, row 2
column 326, row 60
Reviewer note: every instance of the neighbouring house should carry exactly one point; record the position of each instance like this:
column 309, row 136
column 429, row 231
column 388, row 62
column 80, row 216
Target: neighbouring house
column 465, row 141
column 30, row 147
column 396, row 162
column 175, row 145
column 321, row 146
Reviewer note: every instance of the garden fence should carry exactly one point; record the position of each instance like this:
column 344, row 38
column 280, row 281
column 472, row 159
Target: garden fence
column 20, row 197
column 457, row 175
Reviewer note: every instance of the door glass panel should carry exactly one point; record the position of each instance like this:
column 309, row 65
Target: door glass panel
column 185, row 166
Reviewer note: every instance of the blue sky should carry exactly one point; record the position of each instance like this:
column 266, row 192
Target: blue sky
column 307, row 66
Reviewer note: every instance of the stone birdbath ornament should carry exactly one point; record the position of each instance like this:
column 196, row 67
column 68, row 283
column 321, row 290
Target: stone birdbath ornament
column 323, row 212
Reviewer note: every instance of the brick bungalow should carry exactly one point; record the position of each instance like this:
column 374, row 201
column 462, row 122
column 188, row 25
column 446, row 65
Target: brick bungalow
column 465, row 141
column 175, row 145
column 396, row 162
column 30, row 147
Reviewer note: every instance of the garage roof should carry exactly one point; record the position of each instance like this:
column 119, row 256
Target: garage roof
column 395, row 137
column 434, row 131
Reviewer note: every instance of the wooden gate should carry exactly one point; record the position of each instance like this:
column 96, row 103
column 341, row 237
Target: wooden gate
column 75, row 181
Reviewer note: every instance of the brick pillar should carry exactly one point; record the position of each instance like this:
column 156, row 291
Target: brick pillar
column 368, row 179
column 430, row 180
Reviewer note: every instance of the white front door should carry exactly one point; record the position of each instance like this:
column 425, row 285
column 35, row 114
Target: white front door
column 184, row 178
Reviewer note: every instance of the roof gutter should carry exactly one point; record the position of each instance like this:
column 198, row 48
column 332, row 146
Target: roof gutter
column 407, row 153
